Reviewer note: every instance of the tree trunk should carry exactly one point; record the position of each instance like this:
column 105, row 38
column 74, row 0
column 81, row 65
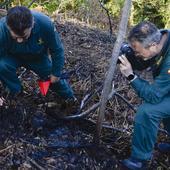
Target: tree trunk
column 113, row 61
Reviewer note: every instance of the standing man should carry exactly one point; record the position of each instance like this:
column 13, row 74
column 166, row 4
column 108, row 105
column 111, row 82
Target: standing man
column 26, row 39
column 149, row 43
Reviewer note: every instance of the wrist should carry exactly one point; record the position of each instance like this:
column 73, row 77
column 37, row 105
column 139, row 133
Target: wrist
column 131, row 77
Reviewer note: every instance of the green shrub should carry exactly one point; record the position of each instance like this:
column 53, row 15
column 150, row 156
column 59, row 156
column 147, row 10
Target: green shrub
column 156, row 11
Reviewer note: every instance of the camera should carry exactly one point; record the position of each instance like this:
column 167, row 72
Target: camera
column 136, row 62
column 127, row 51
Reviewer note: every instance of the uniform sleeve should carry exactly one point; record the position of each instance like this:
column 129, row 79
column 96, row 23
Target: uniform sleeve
column 2, row 43
column 3, row 38
column 154, row 93
column 56, row 49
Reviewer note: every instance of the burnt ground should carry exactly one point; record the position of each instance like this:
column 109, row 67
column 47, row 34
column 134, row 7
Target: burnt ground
column 34, row 136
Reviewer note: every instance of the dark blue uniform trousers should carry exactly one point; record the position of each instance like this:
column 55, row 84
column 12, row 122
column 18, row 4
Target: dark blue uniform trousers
column 147, row 121
column 42, row 67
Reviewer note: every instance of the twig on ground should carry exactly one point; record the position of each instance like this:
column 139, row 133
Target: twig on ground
column 96, row 105
column 111, row 127
column 35, row 163
column 7, row 148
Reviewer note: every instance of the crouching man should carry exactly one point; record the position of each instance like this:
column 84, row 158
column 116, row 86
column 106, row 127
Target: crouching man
column 150, row 44
column 26, row 39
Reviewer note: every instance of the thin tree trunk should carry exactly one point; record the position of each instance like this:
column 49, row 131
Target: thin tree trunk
column 113, row 61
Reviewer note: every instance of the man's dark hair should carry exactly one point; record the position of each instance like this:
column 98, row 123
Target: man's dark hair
column 18, row 19
column 146, row 33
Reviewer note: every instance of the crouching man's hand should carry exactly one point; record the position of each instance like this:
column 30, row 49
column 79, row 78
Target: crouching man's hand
column 125, row 66
column 54, row 79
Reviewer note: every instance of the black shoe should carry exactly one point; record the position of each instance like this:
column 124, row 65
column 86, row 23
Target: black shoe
column 63, row 107
column 134, row 164
column 69, row 106
column 164, row 147
column 69, row 102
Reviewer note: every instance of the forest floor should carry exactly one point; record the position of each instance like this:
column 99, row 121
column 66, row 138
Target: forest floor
column 34, row 136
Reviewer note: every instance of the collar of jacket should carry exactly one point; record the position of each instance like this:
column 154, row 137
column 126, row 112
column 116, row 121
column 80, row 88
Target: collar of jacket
column 166, row 46
column 159, row 58
column 36, row 26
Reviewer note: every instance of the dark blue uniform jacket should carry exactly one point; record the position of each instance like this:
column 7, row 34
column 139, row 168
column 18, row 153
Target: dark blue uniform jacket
column 160, row 88
column 44, row 38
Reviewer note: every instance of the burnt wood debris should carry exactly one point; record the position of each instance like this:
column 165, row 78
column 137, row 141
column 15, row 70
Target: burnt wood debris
column 34, row 135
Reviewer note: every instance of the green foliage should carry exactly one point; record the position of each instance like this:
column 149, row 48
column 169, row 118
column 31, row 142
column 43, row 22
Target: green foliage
column 50, row 7
column 166, row 14
column 71, row 5
column 114, row 6
column 156, row 11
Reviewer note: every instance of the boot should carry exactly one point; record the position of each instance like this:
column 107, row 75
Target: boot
column 164, row 147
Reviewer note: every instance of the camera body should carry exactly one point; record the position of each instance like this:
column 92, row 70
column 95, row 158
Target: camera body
column 127, row 51
column 136, row 62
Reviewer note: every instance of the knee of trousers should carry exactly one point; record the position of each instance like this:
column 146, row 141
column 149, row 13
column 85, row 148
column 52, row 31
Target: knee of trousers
column 145, row 116
column 5, row 67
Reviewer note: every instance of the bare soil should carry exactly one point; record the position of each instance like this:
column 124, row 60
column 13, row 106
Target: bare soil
column 33, row 136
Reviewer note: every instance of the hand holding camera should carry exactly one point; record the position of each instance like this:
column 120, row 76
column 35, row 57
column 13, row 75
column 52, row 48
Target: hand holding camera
column 136, row 62
column 125, row 66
